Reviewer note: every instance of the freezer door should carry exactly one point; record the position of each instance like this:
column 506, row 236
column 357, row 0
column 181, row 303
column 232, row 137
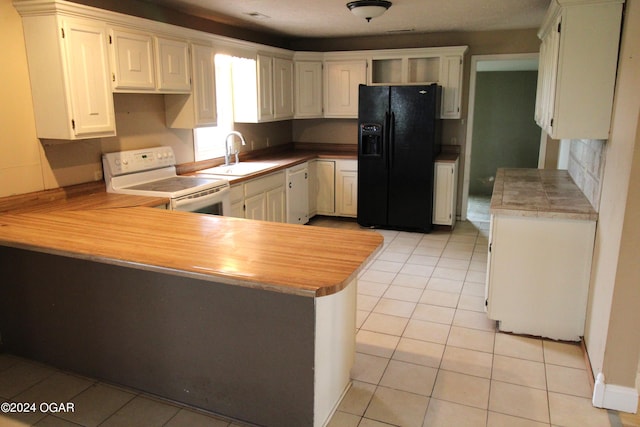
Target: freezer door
column 373, row 168
column 412, row 135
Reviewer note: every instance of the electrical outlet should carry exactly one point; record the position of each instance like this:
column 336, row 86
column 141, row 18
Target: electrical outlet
column 97, row 175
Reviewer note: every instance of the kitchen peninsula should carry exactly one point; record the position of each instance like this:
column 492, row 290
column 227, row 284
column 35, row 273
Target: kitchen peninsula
column 540, row 250
column 248, row 319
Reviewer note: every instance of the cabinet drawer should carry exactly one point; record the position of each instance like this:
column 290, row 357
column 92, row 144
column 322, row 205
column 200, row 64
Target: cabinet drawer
column 260, row 185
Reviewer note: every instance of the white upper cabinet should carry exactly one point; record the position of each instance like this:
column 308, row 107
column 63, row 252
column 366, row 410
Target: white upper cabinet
column 204, row 85
column 441, row 65
column 173, row 65
column 283, row 88
column 451, row 82
column 577, row 72
column 69, row 74
column 308, row 89
column 132, row 61
column 342, row 79
column 262, row 89
column 141, row 62
column 265, row 87
column 197, row 109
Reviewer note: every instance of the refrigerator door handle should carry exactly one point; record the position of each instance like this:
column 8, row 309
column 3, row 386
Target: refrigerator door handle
column 385, row 135
column 392, row 142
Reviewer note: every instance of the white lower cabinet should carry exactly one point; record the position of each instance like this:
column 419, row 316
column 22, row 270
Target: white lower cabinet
column 255, row 207
column 336, row 187
column 325, row 187
column 264, row 198
column 538, row 275
column 445, row 183
column 322, row 187
column 237, row 201
column 298, row 194
column 276, row 207
column 347, row 188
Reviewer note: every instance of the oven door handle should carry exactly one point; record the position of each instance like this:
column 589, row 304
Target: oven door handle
column 190, row 205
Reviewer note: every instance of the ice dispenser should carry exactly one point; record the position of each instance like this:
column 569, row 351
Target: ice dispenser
column 370, row 139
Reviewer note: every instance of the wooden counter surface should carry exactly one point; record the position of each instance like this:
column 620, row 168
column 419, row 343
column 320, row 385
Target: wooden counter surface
column 282, row 160
column 295, row 259
column 77, row 197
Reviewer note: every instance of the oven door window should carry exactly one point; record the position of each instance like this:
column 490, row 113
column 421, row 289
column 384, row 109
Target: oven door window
column 213, row 204
column 214, row 209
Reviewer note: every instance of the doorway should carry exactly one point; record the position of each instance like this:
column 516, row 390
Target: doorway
column 501, row 128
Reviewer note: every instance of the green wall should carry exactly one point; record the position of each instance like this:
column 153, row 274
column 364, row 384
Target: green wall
column 504, row 131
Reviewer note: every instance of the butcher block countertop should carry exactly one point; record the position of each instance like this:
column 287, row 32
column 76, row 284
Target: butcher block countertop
column 281, row 161
column 295, row 259
column 78, row 197
column 548, row 193
column 86, row 222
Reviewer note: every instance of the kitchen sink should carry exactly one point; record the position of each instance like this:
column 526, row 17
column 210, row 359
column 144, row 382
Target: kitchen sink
column 240, row 169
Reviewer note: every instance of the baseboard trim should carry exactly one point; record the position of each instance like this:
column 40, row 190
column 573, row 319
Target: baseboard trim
column 611, row 396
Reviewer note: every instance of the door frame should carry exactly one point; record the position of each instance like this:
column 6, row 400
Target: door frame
column 475, row 59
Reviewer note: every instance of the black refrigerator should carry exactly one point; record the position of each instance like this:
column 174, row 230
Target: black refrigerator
column 398, row 140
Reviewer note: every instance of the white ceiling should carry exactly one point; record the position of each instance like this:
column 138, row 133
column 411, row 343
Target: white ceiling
column 331, row 18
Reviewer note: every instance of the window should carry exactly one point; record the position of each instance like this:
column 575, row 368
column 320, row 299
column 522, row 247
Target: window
column 209, row 141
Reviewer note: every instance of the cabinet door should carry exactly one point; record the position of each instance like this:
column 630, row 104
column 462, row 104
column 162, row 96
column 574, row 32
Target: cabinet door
column 91, row 99
column 237, row 201
column 204, row 85
column 297, row 195
column 326, row 181
column 313, row 188
column 265, row 87
column 283, row 88
column 308, row 92
column 276, row 204
column 255, row 207
column 578, row 60
column 451, row 81
column 347, row 188
column 132, row 61
column 547, row 75
column 342, row 80
column 173, row 65
column 443, row 194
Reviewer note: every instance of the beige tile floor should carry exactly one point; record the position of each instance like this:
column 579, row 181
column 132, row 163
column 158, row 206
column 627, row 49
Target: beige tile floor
column 426, row 356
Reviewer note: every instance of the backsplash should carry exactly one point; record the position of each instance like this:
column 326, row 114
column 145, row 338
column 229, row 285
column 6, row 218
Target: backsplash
column 586, row 166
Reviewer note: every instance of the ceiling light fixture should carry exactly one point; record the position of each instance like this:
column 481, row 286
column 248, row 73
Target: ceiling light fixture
column 368, row 9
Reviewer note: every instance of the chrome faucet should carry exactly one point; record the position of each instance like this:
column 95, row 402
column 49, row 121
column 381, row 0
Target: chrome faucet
column 230, row 149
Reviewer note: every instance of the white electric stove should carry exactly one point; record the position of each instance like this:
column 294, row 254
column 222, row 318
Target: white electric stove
column 152, row 172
